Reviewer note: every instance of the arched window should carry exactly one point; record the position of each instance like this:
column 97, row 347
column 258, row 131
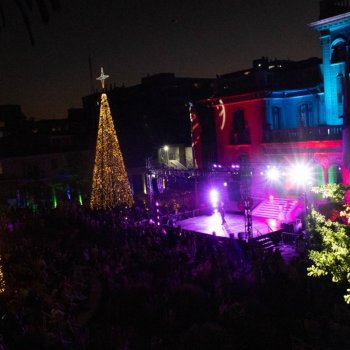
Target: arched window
column 338, row 51
column 276, row 117
column 318, row 176
column 335, row 175
column 305, row 115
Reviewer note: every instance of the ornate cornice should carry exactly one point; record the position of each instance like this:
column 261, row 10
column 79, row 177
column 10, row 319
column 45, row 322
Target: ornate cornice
column 331, row 22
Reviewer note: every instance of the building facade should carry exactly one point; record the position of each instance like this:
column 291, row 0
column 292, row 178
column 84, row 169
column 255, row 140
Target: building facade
column 280, row 112
column 43, row 162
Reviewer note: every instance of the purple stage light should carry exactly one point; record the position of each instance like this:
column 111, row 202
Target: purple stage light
column 300, row 174
column 214, row 198
column 273, row 174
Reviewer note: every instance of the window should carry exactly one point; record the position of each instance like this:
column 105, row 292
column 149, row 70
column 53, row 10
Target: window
column 338, row 52
column 276, row 117
column 305, row 115
column 335, row 175
column 239, row 134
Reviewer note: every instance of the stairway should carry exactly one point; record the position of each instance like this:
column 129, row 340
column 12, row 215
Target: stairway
column 265, row 242
column 175, row 164
column 273, row 241
column 277, row 208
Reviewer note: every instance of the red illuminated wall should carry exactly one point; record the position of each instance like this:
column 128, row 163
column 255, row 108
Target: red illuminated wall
column 254, row 117
column 324, row 153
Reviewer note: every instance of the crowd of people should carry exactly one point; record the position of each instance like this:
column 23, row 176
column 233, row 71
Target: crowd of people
column 76, row 279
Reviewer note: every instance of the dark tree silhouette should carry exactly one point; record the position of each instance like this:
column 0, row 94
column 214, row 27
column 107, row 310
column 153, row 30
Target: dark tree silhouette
column 26, row 7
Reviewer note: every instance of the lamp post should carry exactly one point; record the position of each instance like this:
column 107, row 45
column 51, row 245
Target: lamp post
column 307, row 202
column 166, row 150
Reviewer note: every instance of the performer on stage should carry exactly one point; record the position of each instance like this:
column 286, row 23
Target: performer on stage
column 222, row 212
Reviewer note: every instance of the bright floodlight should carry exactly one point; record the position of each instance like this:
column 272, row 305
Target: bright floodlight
column 273, row 174
column 301, row 174
column 214, row 198
column 166, row 148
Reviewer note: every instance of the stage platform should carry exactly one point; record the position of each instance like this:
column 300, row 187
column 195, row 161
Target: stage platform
column 234, row 224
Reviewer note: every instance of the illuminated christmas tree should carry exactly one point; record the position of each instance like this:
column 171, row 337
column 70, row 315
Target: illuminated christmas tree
column 110, row 184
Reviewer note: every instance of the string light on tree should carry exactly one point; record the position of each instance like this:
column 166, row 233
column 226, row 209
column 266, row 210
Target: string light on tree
column 110, row 184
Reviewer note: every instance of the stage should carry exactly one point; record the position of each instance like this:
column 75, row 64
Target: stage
column 234, row 224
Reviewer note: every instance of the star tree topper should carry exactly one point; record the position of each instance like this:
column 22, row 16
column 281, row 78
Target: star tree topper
column 102, row 77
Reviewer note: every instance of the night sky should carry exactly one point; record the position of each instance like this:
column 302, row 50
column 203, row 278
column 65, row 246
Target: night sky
column 133, row 38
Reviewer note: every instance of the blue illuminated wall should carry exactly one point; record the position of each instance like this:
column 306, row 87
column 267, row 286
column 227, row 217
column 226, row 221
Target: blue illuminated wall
column 333, row 90
column 286, row 109
column 334, row 32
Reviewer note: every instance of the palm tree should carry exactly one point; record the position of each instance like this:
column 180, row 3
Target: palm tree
column 26, row 7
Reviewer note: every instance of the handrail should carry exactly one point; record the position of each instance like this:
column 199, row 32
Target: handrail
column 259, row 232
column 315, row 133
column 289, row 238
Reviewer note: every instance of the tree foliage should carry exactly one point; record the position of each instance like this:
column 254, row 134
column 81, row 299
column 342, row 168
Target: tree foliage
column 26, row 7
column 330, row 253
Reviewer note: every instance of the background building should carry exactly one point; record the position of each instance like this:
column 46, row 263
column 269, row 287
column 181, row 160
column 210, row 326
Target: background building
column 150, row 115
column 271, row 115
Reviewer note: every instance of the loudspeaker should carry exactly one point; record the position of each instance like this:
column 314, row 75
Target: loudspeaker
column 242, row 236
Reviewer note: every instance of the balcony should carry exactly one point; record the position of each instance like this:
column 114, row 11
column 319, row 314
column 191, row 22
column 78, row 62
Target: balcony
column 318, row 133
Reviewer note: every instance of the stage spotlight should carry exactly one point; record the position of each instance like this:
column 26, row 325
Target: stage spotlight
column 273, row 174
column 300, row 174
column 271, row 197
column 214, row 198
